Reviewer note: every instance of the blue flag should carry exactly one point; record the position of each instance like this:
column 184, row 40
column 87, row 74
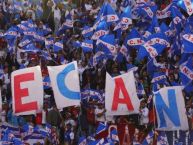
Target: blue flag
column 107, row 44
column 186, row 5
column 110, row 14
column 149, row 138
column 58, row 46
column 31, row 48
column 188, row 43
column 101, row 29
column 162, row 139
column 87, row 46
column 101, row 128
column 87, row 31
column 134, row 39
column 186, row 71
column 148, row 11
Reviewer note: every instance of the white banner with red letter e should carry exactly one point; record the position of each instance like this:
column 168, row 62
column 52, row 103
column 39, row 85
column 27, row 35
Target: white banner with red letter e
column 27, row 91
column 120, row 95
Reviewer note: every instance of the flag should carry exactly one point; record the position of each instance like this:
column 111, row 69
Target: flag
column 159, row 77
column 162, row 139
column 24, row 42
column 87, row 46
column 154, row 46
column 188, row 43
column 114, row 135
column 46, row 82
column 117, row 103
column 148, row 11
column 186, row 71
column 49, row 42
column 149, row 138
column 170, row 109
column 98, row 57
column 101, row 128
column 140, row 89
column 39, row 11
column 82, row 141
column 11, row 33
column 65, row 83
column 101, row 29
column 134, row 39
column 126, row 16
column 27, row 83
column 107, row 42
column 31, row 48
column 87, row 31
column 58, row 46
column 110, row 14
column 165, row 13
column 187, row 5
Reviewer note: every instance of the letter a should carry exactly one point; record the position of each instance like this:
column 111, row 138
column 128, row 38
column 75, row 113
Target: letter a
column 120, row 86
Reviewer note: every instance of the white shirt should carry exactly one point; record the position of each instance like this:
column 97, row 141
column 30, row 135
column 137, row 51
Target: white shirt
column 144, row 116
column 57, row 13
column 43, row 117
column 3, row 116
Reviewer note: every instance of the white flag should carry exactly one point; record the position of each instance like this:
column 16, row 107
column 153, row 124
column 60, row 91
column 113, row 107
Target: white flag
column 120, row 95
column 65, row 84
column 27, row 90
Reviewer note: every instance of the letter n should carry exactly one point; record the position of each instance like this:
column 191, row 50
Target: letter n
column 171, row 111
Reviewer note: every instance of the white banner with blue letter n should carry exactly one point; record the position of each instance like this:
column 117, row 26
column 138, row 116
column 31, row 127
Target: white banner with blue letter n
column 170, row 109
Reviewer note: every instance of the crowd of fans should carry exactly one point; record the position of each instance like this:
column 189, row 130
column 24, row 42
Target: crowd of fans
column 73, row 122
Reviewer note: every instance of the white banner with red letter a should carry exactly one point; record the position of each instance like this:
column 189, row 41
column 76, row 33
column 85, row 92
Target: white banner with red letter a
column 121, row 95
column 27, row 91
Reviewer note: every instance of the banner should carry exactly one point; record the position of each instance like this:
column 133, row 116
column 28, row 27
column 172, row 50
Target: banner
column 121, row 95
column 27, row 91
column 170, row 109
column 65, row 83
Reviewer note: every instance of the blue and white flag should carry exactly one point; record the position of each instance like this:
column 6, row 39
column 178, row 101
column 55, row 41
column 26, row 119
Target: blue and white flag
column 82, row 141
column 101, row 128
column 87, row 31
column 98, row 57
column 114, row 136
column 148, row 11
column 186, row 71
column 159, row 78
column 134, row 39
column 140, row 89
column 110, row 14
column 187, row 5
column 46, row 82
column 65, row 83
column 170, row 109
column 102, row 29
column 126, row 18
column 24, row 42
column 149, row 138
column 31, row 48
column 49, row 42
column 154, row 46
column 162, row 139
column 107, row 42
column 58, row 46
column 87, row 46
column 188, row 43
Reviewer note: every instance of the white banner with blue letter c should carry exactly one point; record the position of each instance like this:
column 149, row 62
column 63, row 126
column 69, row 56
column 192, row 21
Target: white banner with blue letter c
column 170, row 109
column 65, row 84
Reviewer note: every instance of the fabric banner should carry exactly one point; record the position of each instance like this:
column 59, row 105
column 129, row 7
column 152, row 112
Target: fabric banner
column 65, row 83
column 170, row 109
column 121, row 95
column 27, row 91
